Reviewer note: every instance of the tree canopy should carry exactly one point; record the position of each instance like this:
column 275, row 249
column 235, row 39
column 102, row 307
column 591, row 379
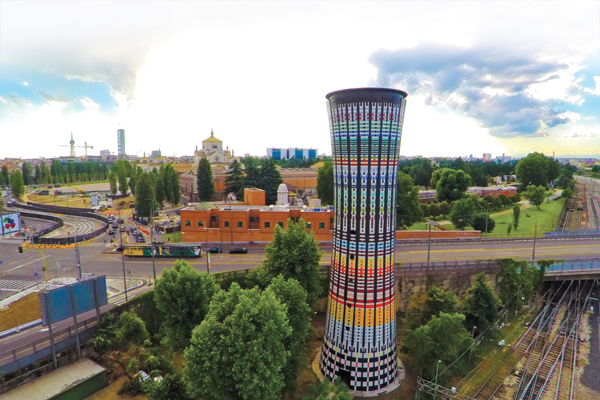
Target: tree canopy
column 206, row 182
column 483, row 222
column 325, row 180
column 293, row 296
column 535, row 195
column 462, row 213
column 270, row 179
column 294, row 253
column 234, row 181
column 145, row 196
column 408, row 210
column 450, row 184
column 17, row 185
column 481, row 303
column 183, row 295
column 238, row 351
column 537, row 169
column 443, row 338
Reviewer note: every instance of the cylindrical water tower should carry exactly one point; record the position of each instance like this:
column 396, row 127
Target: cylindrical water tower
column 359, row 344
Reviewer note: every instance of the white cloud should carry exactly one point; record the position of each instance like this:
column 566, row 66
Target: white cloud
column 25, row 84
column 89, row 103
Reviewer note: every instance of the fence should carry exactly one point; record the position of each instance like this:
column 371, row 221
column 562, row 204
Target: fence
column 23, row 356
column 81, row 212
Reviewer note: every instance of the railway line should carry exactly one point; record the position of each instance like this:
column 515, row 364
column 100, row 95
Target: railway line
column 544, row 360
column 73, row 225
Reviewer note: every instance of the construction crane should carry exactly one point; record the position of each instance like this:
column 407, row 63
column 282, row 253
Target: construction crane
column 72, row 146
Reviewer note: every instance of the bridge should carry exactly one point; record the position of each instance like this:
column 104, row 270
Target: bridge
column 573, row 270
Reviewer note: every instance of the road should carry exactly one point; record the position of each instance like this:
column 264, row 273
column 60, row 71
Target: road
column 97, row 258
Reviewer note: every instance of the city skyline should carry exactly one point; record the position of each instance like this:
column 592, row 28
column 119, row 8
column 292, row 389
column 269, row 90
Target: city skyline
column 480, row 76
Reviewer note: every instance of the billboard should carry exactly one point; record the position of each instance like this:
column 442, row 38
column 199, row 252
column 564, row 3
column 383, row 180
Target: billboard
column 58, row 304
column 11, row 223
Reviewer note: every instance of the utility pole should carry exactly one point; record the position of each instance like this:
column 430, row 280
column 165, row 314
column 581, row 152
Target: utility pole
column 534, row 240
column 123, row 257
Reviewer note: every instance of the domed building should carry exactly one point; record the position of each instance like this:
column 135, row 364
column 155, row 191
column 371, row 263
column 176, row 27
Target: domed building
column 212, row 149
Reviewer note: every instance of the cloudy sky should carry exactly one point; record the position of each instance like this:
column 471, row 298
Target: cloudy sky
column 482, row 76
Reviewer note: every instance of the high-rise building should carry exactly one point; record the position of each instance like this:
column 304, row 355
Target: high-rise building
column 281, row 153
column 487, row 157
column 121, row 141
column 359, row 343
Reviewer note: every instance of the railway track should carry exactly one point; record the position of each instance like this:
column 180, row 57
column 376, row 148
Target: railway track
column 558, row 355
column 523, row 347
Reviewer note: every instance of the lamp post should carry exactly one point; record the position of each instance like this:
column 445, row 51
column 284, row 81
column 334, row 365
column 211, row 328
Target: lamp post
column 230, row 198
column 534, row 240
column 437, row 366
column 152, row 237
column 123, row 257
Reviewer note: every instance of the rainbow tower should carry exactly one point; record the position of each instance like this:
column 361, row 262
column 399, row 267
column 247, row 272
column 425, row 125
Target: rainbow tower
column 359, row 344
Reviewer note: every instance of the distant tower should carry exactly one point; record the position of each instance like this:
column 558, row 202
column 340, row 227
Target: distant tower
column 359, row 343
column 121, row 141
column 72, row 143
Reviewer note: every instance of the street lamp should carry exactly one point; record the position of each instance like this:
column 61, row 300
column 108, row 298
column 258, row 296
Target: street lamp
column 152, row 237
column 122, row 255
column 230, row 198
column 430, row 223
column 534, row 240
column 437, row 365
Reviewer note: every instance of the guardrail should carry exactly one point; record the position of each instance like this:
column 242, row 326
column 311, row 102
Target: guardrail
column 37, row 350
column 80, row 212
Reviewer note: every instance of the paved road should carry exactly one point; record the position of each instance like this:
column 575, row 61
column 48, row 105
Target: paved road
column 97, row 257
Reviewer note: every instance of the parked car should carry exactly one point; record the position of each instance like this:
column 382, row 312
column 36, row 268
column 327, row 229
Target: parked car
column 239, row 250
column 112, row 231
column 217, row 250
column 123, row 229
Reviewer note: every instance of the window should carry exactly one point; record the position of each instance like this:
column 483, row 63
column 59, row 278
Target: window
column 215, row 147
column 321, row 225
column 309, row 224
column 200, row 223
column 280, row 224
column 252, row 219
column 267, row 224
column 214, row 219
column 226, row 224
column 240, row 224
column 188, row 223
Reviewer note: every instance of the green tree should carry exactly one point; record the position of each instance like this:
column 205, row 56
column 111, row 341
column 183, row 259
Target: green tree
column 515, row 281
column 252, row 172
column 481, row 304
column 16, row 184
column 173, row 185
column 443, row 338
column 408, row 210
column 325, row 181
column 509, row 228
column 295, row 254
column 122, row 177
column 38, row 175
column 326, row 390
column 183, row 296
column 450, row 184
column 425, row 304
column 132, row 183
column 425, row 209
column 293, row 296
column 27, row 173
column 516, row 216
column 270, row 179
column 462, row 213
column 445, row 208
column 567, row 193
column 234, row 181
column 434, row 210
column 514, row 198
column 112, row 178
column 537, row 169
column 132, row 329
column 535, row 195
column 169, row 388
column 206, row 183
column 238, row 351
column 159, row 190
column 483, row 222
column 145, row 195
column 5, row 174
column 440, row 301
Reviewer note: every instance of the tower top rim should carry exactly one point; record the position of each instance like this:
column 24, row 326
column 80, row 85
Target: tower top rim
column 365, row 94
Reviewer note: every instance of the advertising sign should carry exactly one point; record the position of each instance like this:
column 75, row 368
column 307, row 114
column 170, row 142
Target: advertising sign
column 11, row 223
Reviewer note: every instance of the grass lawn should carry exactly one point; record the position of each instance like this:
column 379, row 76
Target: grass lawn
column 174, row 237
column 547, row 217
